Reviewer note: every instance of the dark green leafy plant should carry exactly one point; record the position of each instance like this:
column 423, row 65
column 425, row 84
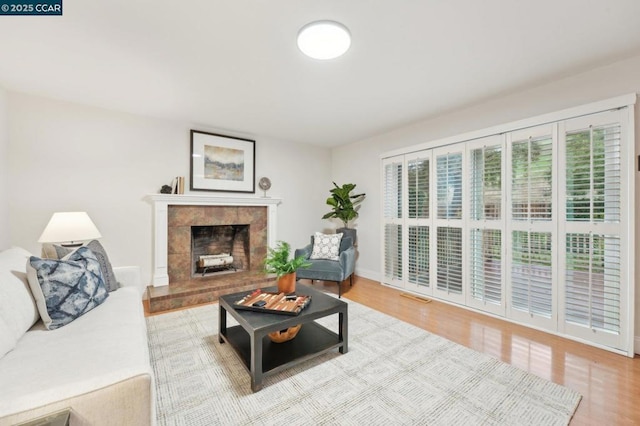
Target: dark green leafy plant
column 278, row 262
column 345, row 206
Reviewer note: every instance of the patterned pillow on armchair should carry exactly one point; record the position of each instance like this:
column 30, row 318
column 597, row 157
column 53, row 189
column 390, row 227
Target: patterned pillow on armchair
column 326, row 246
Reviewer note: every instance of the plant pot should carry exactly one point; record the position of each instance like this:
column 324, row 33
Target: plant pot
column 287, row 283
column 349, row 232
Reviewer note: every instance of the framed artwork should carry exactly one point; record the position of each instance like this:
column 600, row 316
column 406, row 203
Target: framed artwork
column 222, row 163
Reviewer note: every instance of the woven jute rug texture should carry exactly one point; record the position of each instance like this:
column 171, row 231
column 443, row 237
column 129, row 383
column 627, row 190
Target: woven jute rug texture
column 394, row 374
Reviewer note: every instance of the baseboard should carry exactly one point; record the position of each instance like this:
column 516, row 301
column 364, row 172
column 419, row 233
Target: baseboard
column 368, row 274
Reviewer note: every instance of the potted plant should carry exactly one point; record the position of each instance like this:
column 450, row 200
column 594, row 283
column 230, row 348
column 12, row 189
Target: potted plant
column 278, row 262
column 345, row 207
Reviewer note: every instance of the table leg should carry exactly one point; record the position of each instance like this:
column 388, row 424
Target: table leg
column 343, row 330
column 222, row 323
column 256, row 362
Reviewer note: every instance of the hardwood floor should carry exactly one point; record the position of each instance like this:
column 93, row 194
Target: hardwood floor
column 609, row 383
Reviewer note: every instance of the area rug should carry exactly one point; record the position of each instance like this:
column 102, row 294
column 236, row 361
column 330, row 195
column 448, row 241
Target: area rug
column 394, row 373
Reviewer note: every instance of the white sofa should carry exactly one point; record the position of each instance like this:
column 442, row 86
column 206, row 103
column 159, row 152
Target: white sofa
column 97, row 366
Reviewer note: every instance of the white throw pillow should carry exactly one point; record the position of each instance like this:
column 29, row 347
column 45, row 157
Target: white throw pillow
column 326, row 246
column 17, row 307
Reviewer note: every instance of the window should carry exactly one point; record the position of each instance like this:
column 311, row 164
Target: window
column 593, row 277
column 449, row 253
column 486, row 182
column 418, row 239
column 532, row 268
column 594, row 235
column 531, row 178
column 530, row 224
column 486, row 265
column 449, row 186
column 531, row 273
column 449, row 256
column 593, row 174
column 393, row 250
column 418, row 185
column 419, row 255
column 393, row 190
column 486, row 226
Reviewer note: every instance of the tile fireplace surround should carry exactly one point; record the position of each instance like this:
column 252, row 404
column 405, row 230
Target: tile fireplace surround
column 173, row 285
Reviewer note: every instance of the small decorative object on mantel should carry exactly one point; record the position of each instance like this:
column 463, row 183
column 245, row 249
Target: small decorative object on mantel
column 265, row 185
column 166, row 189
column 177, row 186
column 278, row 262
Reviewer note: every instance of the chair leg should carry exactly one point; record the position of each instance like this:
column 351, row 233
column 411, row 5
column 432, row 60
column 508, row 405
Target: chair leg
column 351, row 280
column 339, row 289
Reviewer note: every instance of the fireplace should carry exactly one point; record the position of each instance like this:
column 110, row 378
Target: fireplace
column 177, row 281
column 237, row 232
column 219, row 249
column 173, row 216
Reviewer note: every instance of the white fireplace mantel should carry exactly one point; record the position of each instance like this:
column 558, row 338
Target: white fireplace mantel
column 161, row 203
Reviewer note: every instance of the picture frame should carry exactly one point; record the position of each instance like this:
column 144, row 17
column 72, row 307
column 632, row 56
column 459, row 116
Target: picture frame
column 222, row 163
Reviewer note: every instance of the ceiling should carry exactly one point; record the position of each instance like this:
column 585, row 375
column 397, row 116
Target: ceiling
column 234, row 65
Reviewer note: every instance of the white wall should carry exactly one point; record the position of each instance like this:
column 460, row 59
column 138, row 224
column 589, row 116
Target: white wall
column 4, row 165
column 360, row 162
column 67, row 157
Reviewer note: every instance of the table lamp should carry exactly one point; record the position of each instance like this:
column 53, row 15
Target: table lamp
column 69, row 229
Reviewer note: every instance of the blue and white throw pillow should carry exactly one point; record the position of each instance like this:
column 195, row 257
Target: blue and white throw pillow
column 66, row 289
column 326, row 246
column 55, row 251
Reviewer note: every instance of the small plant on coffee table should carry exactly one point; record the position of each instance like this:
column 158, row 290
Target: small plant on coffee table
column 278, row 262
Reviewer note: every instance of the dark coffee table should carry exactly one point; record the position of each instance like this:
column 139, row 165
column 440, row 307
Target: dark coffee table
column 260, row 355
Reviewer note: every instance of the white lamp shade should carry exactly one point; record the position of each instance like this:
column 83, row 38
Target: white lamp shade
column 69, row 227
column 324, row 39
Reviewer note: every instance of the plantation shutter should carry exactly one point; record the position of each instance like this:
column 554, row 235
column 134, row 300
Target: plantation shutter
column 393, row 253
column 592, row 297
column 449, row 243
column 593, row 263
column 531, row 276
column 532, row 251
column 485, row 235
column 486, row 265
column 418, row 188
column 531, row 195
column 449, row 259
column 449, row 175
column 419, row 255
column 593, row 170
column 418, row 222
column 485, row 191
column 392, row 193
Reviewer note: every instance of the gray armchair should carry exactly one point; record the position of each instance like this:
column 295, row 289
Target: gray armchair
column 330, row 270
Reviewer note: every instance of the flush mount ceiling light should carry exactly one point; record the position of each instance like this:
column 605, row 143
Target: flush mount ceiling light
column 324, row 39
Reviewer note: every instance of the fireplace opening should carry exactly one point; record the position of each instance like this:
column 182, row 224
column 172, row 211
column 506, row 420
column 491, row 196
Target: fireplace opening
column 219, row 249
